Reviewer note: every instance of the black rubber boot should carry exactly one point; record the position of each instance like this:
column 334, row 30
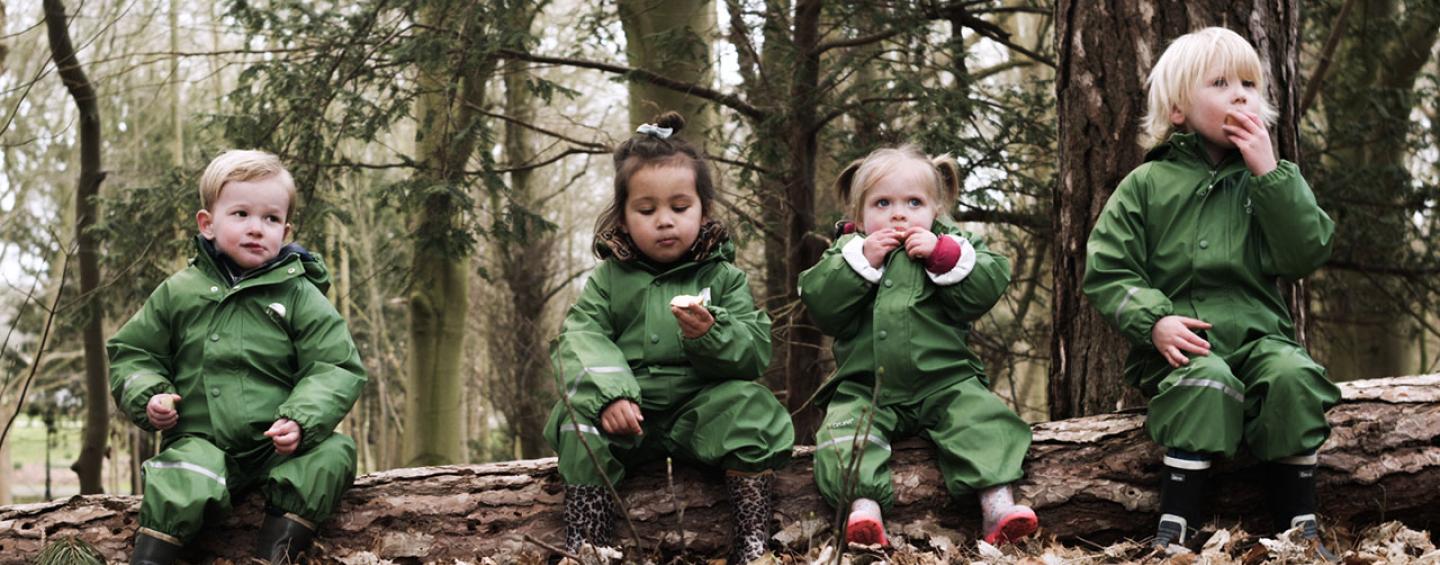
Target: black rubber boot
column 1290, row 483
column 283, row 538
column 153, row 551
column 1182, row 497
column 750, row 496
column 589, row 516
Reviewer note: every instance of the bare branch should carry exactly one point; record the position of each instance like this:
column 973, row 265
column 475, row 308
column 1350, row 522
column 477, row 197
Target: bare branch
column 729, row 100
column 1312, row 87
column 857, row 41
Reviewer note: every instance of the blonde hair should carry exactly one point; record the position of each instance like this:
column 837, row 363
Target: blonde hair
column 1183, row 65
column 862, row 174
column 243, row 165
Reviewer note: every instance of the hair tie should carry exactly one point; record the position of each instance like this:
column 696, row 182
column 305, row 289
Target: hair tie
column 655, row 131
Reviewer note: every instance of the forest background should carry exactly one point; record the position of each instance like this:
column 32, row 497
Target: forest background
column 451, row 157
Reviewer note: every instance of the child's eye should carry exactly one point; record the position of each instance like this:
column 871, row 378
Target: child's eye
column 275, row 219
column 1219, row 82
column 242, row 214
column 646, row 211
column 1248, row 83
column 883, row 202
column 916, row 203
column 680, row 209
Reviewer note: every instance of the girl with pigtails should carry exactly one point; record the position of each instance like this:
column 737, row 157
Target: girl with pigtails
column 660, row 353
column 899, row 293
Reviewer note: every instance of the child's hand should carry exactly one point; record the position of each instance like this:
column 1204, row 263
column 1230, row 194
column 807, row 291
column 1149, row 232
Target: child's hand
column 285, row 434
column 694, row 320
column 1247, row 131
column 622, row 418
column 919, row 242
column 1172, row 334
column 161, row 410
column 881, row 243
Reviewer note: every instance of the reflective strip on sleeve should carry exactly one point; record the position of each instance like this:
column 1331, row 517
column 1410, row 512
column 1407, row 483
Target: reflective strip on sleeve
column 575, row 384
column 1217, row 385
column 1129, row 293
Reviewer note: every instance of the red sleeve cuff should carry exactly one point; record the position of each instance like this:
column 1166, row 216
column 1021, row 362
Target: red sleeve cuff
column 945, row 256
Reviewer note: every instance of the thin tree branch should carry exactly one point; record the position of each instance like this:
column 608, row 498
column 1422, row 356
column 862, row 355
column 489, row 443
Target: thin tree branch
column 1312, row 87
column 538, row 129
column 836, row 113
column 858, row 41
column 729, row 100
column 533, row 166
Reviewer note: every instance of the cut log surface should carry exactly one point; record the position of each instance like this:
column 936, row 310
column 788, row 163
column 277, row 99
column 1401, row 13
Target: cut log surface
column 1094, row 478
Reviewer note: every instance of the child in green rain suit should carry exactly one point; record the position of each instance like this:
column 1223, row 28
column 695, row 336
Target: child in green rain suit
column 659, row 354
column 1184, row 261
column 899, row 298
column 245, row 367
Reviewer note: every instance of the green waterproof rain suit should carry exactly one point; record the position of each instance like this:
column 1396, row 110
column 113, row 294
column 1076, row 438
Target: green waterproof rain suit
column 900, row 348
column 698, row 398
column 1183, row 237
column 240, row 357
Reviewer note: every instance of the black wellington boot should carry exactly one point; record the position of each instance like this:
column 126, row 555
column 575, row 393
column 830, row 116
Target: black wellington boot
column 283, row 537
column 150, row 550
column 1182, row 497
column 1291, row 486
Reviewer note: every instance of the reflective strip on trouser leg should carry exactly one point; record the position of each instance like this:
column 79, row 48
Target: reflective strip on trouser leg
column 183, row 484
column 840, row 433
column 979, row 441
column 310, row 484
column 1286, row 399
column 1199, row 408
column 733, row 425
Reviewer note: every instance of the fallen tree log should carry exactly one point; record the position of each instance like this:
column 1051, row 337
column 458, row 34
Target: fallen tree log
column 1093, row 478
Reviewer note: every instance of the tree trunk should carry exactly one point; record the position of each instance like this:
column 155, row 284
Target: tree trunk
column 1106, row 52
column 670, row 37
column 4, row 49
column 1093, row 478
column 802, row 247
column 97, row 394
column 439, row 299
column 527, row 265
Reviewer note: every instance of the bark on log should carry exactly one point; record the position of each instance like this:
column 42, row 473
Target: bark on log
column 1093, row 478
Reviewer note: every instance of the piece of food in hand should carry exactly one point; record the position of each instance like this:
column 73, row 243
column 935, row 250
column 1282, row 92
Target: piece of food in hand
column 1231, row 121
column 167, row 402
column 687, row 300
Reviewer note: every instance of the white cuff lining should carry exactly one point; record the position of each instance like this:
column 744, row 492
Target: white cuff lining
column 855, row 255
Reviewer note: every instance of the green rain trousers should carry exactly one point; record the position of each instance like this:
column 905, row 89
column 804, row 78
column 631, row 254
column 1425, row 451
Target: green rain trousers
column 620, row 341
column 192, row 480
column 979, row 441
column 1268, row 395
column 1181, row 236
column 734, row 425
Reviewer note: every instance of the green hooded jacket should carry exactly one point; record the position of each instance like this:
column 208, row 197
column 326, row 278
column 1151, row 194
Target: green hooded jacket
column 241, row 356
column 620, row 340
column 1183, row 237
column 905, row 327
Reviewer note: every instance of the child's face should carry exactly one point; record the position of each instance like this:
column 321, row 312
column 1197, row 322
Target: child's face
column 902, row 198
column 1219, row 93
column 247, row 221
column 662, row 213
